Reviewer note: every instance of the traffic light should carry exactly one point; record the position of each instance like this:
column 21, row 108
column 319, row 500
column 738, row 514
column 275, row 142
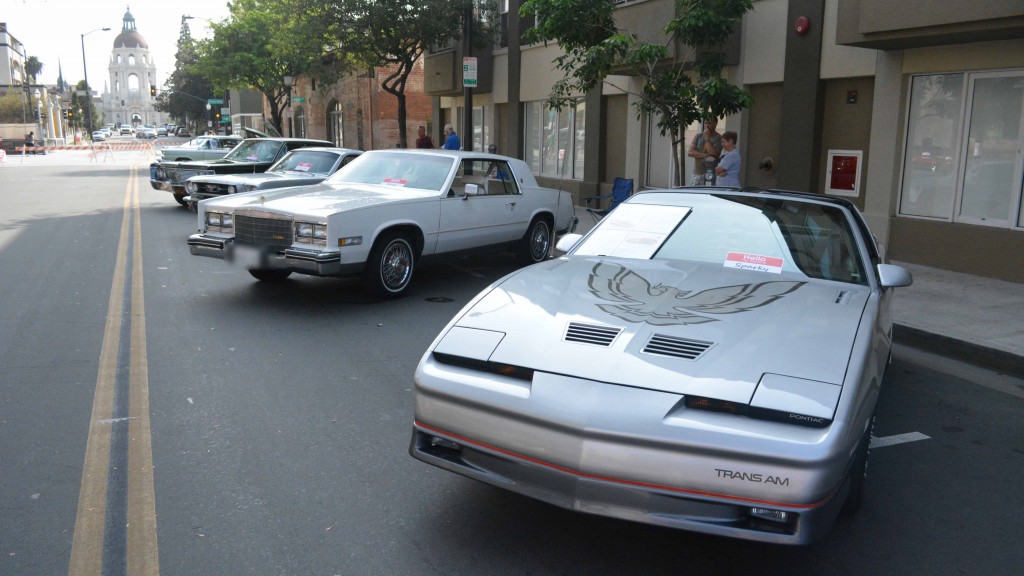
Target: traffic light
column 217, row 116
column 37, row 115
column 70, row 115
column 64, row 114
column 152, row 90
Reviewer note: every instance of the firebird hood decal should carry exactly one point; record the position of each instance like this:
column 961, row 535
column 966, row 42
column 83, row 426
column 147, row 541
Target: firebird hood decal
column 659, row 305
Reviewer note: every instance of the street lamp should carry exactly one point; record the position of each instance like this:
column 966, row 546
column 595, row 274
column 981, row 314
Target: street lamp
column 288, row 81
column 39, row 112
column 209, row 117
column 88, row 96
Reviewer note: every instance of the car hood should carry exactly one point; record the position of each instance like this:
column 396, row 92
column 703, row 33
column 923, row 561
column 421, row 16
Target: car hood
column 293, row 178
column 323, row 200
column 681, row 327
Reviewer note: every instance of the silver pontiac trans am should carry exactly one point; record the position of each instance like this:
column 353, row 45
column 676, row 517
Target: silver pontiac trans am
column 703, row 359
column 384, row 213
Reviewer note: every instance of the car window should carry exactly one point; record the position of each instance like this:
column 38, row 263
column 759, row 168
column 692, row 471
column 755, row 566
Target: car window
column 403, row 170
column 307, row 162
column 256, row 150
column 759, row 233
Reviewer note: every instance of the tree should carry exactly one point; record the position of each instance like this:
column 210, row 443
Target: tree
column 85, row 103
column 262, row 42
column 394, row 34
column 677, row 91
column 33, row 67
column 186, row 91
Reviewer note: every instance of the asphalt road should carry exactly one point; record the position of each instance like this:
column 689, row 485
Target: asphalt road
column 263, row 428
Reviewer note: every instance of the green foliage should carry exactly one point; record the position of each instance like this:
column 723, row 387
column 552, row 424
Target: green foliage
column 13, row 109
column 186, row 89
column 676, row 92
column 33, row 67
column 395, row 34
column 262, row 42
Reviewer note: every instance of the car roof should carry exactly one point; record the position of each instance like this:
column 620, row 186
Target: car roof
column 327, row 149
column 755, row 191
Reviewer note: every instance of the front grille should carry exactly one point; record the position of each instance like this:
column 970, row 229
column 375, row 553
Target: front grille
column 211, row 189
column 591, row 334
column 263, row 231
column 676, row 347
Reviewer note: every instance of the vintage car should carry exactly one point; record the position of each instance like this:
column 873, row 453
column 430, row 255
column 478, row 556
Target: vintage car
column 703, row 359
column 201, row 148
column 250, row 156
column 381, row 214
column 297, row 168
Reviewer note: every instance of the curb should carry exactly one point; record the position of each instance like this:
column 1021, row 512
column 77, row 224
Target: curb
column 969, row 352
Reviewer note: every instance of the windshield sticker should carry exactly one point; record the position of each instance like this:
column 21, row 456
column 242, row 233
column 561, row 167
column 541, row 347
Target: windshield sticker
column 753, row 262
column 394, row 182
column 636, row 300
column 253, row 157
column 304, row 167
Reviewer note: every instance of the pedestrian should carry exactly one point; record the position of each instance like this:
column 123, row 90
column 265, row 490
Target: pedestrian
column 451, row 140
column 728, row 169
column 705, row 149
column 422, row 139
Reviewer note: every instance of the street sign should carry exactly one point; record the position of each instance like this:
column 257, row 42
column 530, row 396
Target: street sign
column 216, row 101
column 298, row 99
column 468, row 72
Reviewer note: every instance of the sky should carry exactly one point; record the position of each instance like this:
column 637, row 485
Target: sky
column 51, row 31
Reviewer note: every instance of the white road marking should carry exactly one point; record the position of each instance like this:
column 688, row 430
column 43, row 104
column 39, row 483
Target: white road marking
column 882, row 442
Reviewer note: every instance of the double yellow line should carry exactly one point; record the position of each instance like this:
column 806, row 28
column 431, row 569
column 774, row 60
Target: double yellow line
column 88, row 544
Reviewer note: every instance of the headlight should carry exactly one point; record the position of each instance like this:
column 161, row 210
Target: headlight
column 231, row 190
column 222, row 221
column 311, row 233
column 191, row 187
column 161, row 173
column 247, row 188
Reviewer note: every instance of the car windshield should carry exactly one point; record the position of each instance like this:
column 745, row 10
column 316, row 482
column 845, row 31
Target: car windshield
column 255, row 150
column 768, row 234
column 398, row 169
column 301, row 161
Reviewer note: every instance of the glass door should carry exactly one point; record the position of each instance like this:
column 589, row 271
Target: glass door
column 990, row 191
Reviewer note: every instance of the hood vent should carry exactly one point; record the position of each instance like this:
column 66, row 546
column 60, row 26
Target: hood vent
column 591, row 334
column 676, row 347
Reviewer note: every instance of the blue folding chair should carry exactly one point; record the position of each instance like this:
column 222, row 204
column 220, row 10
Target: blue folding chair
column 621, row 190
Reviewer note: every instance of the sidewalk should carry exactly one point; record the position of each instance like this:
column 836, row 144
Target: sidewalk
column 969, row 318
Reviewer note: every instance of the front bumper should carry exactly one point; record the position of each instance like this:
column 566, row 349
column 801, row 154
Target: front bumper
column 307, row 261
column 626, row 453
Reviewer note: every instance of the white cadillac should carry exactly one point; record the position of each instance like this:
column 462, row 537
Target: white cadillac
column 384, row 212
column 704, row 359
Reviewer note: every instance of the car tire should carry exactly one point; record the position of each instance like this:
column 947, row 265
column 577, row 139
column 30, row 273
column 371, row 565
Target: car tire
column 264, row 275
column 180, row 199
column 536, row 244
column 390, row 266
column 858, row 473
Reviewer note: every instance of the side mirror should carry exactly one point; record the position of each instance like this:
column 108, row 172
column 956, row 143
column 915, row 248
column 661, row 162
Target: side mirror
column 567, row 242
column 472, row 189
column 892, row 276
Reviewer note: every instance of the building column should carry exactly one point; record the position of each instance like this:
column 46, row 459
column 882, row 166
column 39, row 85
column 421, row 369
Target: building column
column 883, row 169
column 803, row 99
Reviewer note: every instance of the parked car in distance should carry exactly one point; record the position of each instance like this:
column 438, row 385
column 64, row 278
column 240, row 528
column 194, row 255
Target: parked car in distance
column 146, row 131
column 201, row 148
column 250, row 156
column 161, row 131
column 382, row 215
column 703, row 359
column 299, row 167
column 125, row 130
column 99, row 136
column 182, row 131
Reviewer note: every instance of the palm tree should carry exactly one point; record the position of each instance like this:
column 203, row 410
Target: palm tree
column 33, row 67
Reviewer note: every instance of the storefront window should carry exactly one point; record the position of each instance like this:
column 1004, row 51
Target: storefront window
column 965, row 136
column 554, row 140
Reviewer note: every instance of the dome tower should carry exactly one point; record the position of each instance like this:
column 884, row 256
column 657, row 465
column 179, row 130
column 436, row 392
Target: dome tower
column 127, row 98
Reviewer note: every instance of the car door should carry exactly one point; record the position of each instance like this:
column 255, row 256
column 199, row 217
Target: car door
column 486, row 217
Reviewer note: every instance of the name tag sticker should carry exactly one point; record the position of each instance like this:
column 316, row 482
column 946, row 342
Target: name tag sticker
column 754, row 262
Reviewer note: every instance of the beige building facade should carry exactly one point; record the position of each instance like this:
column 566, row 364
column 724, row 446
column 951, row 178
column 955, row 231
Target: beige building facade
column 913, row 110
